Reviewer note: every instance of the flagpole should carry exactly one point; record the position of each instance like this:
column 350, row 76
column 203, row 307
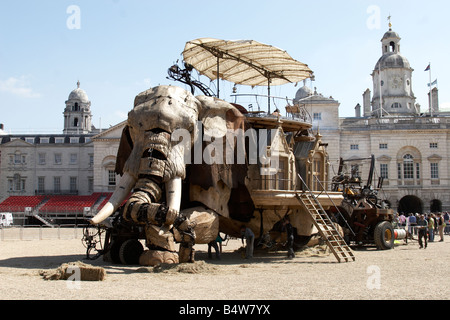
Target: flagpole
column 431, row 98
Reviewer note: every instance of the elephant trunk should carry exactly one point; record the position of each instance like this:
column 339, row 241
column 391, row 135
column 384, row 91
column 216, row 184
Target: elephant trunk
column 120, row 194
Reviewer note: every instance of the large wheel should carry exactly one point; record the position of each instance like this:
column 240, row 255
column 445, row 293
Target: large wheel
column 384, row 235
column 112, row 252
column 130, row 251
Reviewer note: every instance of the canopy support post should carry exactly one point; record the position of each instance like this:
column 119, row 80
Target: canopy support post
column 218, row 78
column 268, row 93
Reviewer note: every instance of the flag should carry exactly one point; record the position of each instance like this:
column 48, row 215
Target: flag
column 428, row 68
column 433, row 83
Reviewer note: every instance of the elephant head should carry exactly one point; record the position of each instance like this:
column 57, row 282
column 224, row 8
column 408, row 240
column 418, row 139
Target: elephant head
column 147, row 158
column 151, row 160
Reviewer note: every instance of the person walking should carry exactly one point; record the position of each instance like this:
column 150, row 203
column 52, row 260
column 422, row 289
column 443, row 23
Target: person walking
column 249, row 236
column 441, row 225
column 422, row 226
column 431, row 227
column 213, row 244
column 447, row 223
column 287, row 226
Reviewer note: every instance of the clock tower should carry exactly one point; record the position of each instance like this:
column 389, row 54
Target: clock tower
column 392, row 80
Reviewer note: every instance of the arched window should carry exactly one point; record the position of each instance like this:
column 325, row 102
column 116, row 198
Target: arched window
column 75, row 122
column 408, row 167
column 392, row 45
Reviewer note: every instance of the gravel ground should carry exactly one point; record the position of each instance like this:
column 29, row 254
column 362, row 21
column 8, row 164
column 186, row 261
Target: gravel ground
column 404, row 273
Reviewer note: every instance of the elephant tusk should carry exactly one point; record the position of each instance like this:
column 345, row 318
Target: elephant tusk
column 173, row 193
column 124, row 188
column 173, row 197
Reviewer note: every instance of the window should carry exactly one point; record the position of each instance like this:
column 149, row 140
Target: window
column 29, row 140
column 111, row 178
column 73, row 158
column 434, row 170
column 384, row 171
column 73, row 184
column 56, row 184
column 396, row 105
column 418, row 171
column 75, row 140
column 383, row 146
column 91, row 160
column 354, row 147
column 433, row 145
column 41, row 158
column 408, row 167
column 17, row 158
column 41, row 185
column 317, row 116
column 58, row 158
column 44, row 140
column 281, row 175
column 59, row 140
column 17, row 183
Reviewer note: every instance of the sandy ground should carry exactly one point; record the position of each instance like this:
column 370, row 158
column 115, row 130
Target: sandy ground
column 405, row 272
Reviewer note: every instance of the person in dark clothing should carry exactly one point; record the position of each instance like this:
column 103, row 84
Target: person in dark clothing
column 213, row 244
column 249, row 236
column 287, row 226
column 422, row 225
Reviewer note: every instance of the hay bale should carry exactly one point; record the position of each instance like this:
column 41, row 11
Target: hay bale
column 198, row 267
column 85, row 272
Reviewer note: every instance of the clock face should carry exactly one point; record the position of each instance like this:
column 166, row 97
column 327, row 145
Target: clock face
column 396, row 82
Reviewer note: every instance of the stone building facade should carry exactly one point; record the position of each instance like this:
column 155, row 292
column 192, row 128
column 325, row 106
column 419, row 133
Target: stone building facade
column 411, row 147
column 35, row 164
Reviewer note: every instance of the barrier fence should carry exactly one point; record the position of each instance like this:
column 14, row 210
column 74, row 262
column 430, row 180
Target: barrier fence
column 64, row 232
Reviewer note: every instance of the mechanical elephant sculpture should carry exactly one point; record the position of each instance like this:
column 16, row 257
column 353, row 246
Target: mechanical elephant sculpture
column 177, row 194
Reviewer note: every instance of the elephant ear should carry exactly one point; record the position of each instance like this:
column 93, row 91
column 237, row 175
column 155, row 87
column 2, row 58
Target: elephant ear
column 125, row 147
column 221, row 186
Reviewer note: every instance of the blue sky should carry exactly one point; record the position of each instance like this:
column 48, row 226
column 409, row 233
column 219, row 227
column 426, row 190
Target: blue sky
column 121, row 48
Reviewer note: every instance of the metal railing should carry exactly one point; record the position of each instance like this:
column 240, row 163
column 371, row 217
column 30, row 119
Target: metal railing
column 38, row 232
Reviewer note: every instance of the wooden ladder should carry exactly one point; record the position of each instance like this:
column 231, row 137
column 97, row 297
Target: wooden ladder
column 326, row 228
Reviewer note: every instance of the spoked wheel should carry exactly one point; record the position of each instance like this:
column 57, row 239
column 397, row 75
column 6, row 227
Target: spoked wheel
column 92, row 240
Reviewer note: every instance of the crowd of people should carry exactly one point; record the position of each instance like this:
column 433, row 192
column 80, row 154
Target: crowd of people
column 425, row 226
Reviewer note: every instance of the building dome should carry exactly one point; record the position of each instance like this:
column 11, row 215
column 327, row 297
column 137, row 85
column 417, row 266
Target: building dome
column 79, row 94
column 303, row 92
column 393, row 60
column 391, row 35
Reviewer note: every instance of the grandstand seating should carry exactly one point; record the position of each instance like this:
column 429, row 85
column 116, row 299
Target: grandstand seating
column 73, row 204
column 19, row 203
column 54, row 204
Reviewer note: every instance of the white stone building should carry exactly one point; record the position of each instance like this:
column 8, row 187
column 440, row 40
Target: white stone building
column 35, row 164
column 411, row 148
